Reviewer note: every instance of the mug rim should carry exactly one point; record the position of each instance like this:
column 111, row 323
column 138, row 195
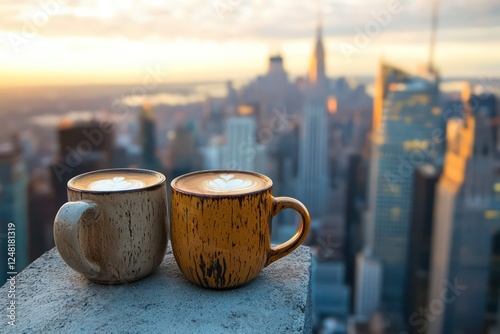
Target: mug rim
column 222, row 171
column 71, row 182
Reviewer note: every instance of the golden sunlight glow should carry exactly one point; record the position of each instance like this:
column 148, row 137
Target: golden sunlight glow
column 313, row 74
column 415, row 145
column 61, row 61
column 332, row 104
column 492, row 214
column 107, row 60
column 65, row 123
column 96, row 42
column 245, row 110
column 395, row 213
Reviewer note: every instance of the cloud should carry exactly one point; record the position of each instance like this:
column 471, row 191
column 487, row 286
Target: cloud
column 222, row 38
column 238, row 19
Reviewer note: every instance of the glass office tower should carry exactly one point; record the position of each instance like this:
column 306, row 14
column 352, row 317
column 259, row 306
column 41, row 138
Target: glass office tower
column 407, row 132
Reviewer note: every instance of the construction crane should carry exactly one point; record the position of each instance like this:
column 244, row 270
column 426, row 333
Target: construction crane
column 435, row 13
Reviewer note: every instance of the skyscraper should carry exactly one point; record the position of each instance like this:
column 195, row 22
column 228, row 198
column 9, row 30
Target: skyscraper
column 83, row 146
column 466, row 229
column 272, row 94
column 148, row 139
column 368, row 285
column 354, row 200
column 331, row 295
column 13, row 208
column 406, row 118
column 426, row 177
column 213, row 116
column 183, row 154
column 242, row 151
column 41, row 213
column 313, row 180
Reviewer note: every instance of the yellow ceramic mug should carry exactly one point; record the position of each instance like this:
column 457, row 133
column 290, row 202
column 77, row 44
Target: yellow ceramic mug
column 220, row 225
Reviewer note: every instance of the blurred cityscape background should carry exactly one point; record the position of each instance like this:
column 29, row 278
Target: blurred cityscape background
column 381, row 116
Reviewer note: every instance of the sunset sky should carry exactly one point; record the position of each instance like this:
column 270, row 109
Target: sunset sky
column 59, row 42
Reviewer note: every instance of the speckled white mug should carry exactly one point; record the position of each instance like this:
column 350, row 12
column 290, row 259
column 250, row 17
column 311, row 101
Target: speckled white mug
column 113, row 230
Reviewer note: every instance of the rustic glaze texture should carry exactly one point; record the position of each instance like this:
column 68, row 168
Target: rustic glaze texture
column 225, row 241
column 113, row 237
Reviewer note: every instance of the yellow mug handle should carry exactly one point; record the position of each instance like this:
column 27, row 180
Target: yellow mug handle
column 281, row 203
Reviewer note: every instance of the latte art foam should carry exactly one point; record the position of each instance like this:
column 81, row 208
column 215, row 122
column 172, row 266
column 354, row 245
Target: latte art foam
column 116, row 180
column 116, row 183
column 220, row 183
column 227, row 183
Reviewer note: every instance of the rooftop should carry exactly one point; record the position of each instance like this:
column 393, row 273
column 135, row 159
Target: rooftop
column 52, row 298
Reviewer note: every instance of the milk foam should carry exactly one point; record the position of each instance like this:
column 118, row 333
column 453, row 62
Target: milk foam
column 221, row 182
column 228, row 183
column 116, row 180
column 116, row 183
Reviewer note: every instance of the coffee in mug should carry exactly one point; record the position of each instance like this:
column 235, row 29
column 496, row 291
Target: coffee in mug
column 220, row 226
column 113, row 229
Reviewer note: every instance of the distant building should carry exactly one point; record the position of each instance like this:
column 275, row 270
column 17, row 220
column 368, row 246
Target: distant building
column 126, row 153
column 213, row 116
column 282, row 166
column 495, row 329
column 313, row 181
column 368, row 285
column 272, row 93
column 183, row 152
column 242, row 151
column 148, row 139
column 485, row 105
column 380, row 322
column 212, row 153
column 13, row 208
column 406, row 118
column 83, row 146
column 354, row 200
column 350, row 98
column 419, row 251
column 282, row 157
column 41, row 213
column 331, row 295
column 231, row 101
column 464, row 281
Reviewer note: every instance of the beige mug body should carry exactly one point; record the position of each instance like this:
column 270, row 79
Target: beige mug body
column 113, row 237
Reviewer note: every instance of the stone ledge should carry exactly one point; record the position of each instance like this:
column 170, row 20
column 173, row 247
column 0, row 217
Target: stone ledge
column 52, row 298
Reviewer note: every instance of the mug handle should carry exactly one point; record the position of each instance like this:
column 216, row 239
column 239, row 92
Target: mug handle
column 281, row 203
column 67, row 235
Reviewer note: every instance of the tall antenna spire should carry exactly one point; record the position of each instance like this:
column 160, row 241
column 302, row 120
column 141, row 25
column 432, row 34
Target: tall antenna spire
column 435, row 13
column 317, row 66
column 319, row 20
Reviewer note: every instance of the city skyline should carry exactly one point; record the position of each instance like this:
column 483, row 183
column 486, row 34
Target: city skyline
column 111, row 42
column 399, row 169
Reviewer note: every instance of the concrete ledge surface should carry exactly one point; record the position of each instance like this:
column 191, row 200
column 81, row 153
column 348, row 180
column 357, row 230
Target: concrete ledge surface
column 52, row 298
